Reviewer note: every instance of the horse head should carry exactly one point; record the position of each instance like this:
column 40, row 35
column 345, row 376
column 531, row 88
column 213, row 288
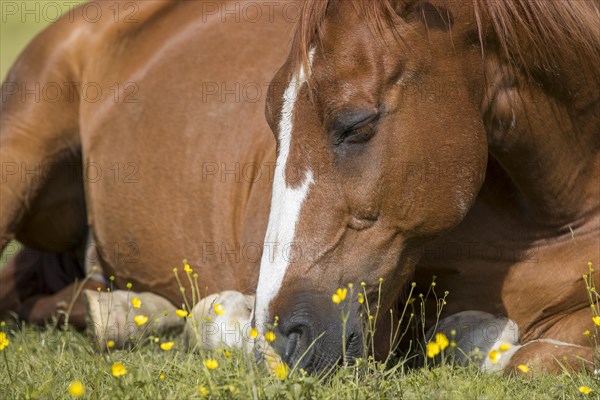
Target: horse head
column 379, row 114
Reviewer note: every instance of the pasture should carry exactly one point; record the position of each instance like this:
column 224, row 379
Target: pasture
column 42, row 363
column 55, row 362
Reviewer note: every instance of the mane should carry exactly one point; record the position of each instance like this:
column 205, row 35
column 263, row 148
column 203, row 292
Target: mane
column 550, row 32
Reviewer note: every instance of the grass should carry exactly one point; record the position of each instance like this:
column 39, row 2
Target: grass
column 41, row 363
column 20, row 21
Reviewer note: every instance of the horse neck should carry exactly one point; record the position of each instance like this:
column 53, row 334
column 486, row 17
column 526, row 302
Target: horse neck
column 544, row 131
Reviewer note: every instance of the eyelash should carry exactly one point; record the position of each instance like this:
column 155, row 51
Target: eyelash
column 358, row 135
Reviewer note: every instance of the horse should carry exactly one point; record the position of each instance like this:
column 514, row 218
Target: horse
column 411, row 139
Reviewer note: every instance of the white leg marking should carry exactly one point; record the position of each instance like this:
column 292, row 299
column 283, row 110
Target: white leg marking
column 476, row 334
column 286, row 203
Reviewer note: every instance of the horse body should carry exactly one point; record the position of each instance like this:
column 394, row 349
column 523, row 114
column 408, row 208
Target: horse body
column 201, row 167
column 171, row 132
column 494, row 191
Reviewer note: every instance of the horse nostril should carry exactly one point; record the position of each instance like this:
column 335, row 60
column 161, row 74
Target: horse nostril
column 297, row 347
column 291, row 345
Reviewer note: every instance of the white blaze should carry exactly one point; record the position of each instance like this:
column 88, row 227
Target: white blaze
column 286, row 203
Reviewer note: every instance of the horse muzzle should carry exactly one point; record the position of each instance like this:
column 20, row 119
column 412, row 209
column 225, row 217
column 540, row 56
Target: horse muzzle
column 314, row 337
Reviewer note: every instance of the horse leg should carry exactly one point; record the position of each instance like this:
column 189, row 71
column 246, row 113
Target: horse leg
column 41, row 189
column 39, row 136
column 566, row 344
column 477, row 335
column 493, row 343
column 39, row 285
column 547, row 355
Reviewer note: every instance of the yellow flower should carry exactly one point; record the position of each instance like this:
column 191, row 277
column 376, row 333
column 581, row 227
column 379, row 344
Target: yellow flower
column 203, row 391
column 137, row 303
column 233, row 390
column 270, row 336
column 596, row 320
column 587, row 332
column 336, row 299
column 441, row 340
column 494, row 356
column 361, row 298
column 504, row 347
column 129, row 285
column 140, row 319
column 281, row 371
column 167, row 345
column 227, row 353
column 253, row 333
column 523, row 368
column 4, row 342
column 187, row 268
column 110, row 344
column 76, row 389
column 211, row 363
column 118, row 369
column 219, row 310
column 161, row 376
column 342, row 293
column 585, row 389
column 433, row 349
column 181, row 313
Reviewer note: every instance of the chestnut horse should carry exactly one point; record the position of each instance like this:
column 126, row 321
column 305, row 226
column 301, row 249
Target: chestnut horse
column 414, row 138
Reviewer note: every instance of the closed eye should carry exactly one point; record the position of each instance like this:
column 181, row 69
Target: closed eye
column 355, row 126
